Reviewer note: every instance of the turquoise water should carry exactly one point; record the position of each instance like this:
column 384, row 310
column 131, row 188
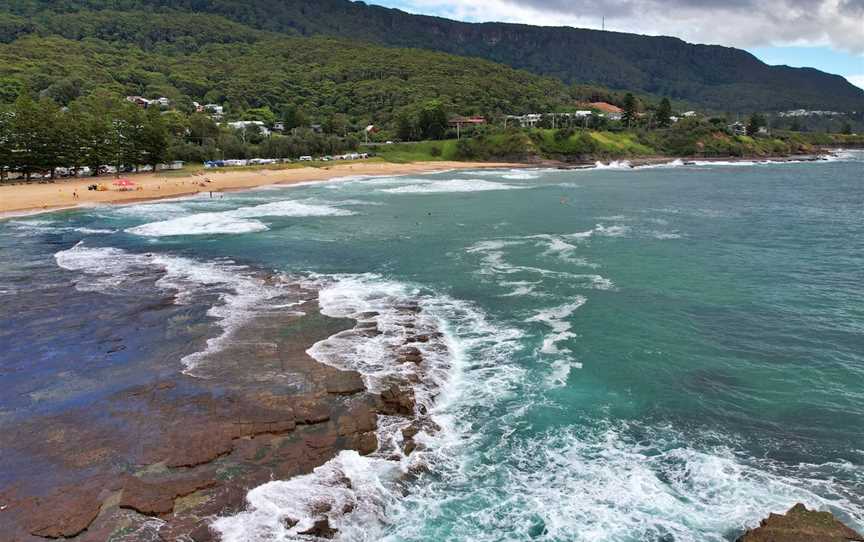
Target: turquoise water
column 659, row 354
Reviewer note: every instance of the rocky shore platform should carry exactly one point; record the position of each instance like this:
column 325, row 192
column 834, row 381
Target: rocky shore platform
column 161, row 461
column 801, row 525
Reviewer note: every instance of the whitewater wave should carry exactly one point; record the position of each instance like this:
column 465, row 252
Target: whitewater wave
column 494, row 262
column 236, row 221
column 452, row 185
column 241, row 294
column 555, row 318
column 357, row 493
column 605, row 484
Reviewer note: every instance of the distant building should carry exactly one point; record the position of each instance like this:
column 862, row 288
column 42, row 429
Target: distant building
column 317, row 128
column 526, row 121
column 608, row 110
column 246, row 124
column 145, row 103
column 462, row 121
column 688, row 114
column 198, row 107
column 738, row 128
column 215, row 111
column 279, row 127
column 139, row 101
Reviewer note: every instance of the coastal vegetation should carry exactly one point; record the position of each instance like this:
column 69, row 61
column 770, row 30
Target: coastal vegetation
column 84, row 88
column 710, row 77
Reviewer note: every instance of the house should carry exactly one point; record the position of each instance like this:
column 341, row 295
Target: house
column 526, row 121
column 608, row 110
column 162, row 101
column 738, row 128
column 278, row 126
column 198, row 107
column 458, row 121
column 246, row 124
column 317, row 128
column 688, row 114
column 139, row 101
column 216, row 111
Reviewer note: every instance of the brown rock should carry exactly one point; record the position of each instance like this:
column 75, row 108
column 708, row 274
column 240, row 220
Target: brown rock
column 345, row 383
column 411, row 355
column 202, row 533
column 366, row 443
column 157, row 498
column 411, row 431
column 398, row 400
column 359, row 419
column 67, row 513
column 801, row 525
column 418, row 339
column 321, row 529
column 199, row 448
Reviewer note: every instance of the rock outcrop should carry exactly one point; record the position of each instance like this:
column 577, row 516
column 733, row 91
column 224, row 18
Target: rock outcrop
column 801, row 525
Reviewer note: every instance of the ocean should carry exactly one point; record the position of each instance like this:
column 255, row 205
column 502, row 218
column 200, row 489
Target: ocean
column 665, row 353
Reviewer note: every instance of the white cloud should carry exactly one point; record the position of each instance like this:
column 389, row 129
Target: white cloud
column 857, row 80
column 740, row 23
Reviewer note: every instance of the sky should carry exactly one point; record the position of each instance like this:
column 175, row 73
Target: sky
column 823, row 34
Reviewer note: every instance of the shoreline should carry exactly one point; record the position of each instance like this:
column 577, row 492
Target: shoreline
column 35, row 198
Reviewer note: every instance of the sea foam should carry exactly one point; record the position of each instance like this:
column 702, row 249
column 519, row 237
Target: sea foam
column 357, row 494
column 452, row 185
column 235, row 221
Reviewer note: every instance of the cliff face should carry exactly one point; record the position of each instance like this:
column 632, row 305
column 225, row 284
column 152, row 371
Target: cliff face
column 801, row 525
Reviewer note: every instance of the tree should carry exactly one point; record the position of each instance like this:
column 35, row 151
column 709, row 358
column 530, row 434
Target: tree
column 337, row 124
column 153, row 139
column 631, row 110
column 406, row 126
column 33, row 137
column 432, row 120
column 757, row 121
column 6, row 118
column 664, row 113
column 294, row 118
column 847, row 128
column 261, row 113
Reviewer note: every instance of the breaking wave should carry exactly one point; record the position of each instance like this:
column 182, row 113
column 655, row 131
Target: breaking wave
column 240, row 220
column 453, row 185
column 464, row 353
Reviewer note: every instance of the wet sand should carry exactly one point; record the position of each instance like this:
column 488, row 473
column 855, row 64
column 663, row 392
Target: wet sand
column 61, row 194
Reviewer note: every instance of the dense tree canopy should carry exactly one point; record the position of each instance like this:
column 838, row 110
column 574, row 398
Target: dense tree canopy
column 712, row 77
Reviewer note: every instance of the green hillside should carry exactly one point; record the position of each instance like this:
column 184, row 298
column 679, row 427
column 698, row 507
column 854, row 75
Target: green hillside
column 321, row 77
column 713, row 77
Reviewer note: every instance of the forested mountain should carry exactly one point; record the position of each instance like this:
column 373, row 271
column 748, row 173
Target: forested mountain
column 714, row 77
column 322, row 78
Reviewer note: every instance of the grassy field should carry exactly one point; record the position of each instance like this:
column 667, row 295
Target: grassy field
column 421, row 151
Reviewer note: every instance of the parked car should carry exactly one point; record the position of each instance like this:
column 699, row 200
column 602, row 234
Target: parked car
column 305, row 158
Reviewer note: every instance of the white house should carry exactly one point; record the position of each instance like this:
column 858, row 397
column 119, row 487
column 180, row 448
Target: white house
column 245, row 124
column 214, row 110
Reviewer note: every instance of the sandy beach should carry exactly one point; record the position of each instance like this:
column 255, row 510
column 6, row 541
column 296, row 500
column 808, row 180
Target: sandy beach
column 61, row 194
